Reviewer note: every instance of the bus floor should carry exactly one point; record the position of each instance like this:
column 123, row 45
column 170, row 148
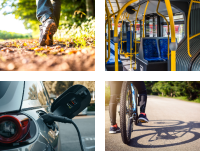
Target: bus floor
column 126, row 63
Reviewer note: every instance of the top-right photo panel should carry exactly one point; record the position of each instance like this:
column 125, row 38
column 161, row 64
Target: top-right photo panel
column 152, row 35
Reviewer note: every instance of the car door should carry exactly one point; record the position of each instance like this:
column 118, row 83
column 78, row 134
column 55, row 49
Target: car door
column 53, row 132
column 35, row 103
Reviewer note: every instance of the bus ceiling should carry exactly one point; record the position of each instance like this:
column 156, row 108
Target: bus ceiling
column 151, row 7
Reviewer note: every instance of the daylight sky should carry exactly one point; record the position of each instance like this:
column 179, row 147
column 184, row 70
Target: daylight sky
column 10, row 24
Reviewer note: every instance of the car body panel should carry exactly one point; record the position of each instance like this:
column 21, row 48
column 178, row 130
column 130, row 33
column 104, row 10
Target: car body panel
column 46, row 139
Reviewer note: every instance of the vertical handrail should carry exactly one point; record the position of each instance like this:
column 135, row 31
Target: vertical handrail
column 188, row 27
column 131, row 41
column 108, row 19
column 135, row 36
column 115, row 32
column 167, row 25
column 173, row 45
column 143, row 35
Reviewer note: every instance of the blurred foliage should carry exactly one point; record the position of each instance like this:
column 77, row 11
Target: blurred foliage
column 13, row 35
column 184, row 90
column 72, row 11
column 90, row 85
column 32, row 94
column 58, row 87
column 190, row 89
column 81, row 36
column 91, row 107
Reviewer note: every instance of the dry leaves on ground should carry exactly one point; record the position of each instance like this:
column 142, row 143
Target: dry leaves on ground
column 27, row 55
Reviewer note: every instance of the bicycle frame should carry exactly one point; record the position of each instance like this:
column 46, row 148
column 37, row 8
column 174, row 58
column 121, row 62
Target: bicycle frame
column 134, row 103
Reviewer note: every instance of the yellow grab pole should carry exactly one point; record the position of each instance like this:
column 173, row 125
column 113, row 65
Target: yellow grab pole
column 135, row 35
column 173, row 36
column 121, row 37
column 143, row 35
column 167, row 25
column 130, row 42
column 108, row 13
column 118, row 5
column 115, row 31
column 188, row 29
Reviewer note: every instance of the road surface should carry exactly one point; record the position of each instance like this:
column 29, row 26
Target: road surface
column 69, row 136
column 173, row 125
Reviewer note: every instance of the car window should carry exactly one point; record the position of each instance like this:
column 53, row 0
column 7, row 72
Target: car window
column 33, row 95
column 11, row 93
column 41, row 95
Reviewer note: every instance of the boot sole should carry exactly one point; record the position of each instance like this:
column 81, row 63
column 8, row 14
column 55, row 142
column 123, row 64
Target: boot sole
column 50, row 30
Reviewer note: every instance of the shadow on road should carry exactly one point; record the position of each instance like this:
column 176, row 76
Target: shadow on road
column 174, row 132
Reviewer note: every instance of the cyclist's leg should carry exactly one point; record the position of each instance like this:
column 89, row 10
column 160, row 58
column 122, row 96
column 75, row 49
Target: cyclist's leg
column 115, row 89
column 141, row 88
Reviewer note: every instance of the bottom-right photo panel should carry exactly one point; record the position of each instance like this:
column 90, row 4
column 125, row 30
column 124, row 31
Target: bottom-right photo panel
column 152, row 115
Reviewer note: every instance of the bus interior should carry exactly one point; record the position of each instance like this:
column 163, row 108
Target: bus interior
column 152, row 35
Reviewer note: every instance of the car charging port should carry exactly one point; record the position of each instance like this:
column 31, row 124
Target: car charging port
column 71, row 103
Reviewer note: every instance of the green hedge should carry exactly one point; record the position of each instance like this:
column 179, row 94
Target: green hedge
column 12, row 35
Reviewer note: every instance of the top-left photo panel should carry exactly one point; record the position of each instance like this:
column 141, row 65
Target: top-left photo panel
column 47, row 35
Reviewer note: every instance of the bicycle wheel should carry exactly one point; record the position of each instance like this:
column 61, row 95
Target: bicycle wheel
column 126, row 112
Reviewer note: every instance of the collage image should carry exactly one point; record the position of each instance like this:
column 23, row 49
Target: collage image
column 56, row 91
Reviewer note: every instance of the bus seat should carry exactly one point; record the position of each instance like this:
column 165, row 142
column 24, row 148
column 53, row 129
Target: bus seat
column 163, row 47
column 111, row 61
column 150, row 50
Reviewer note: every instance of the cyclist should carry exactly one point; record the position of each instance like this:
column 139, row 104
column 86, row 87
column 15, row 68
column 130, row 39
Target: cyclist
column 115, row 89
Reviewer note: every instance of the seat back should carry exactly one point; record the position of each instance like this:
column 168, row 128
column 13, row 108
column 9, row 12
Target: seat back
column 163, row 47
column 150, row 48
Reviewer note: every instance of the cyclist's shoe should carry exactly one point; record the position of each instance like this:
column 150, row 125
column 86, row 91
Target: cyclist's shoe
column 47, row 30
column 143, row 118
column 114, row 129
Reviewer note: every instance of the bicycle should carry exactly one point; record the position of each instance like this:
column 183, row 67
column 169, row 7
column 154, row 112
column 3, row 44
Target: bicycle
column 128, row 110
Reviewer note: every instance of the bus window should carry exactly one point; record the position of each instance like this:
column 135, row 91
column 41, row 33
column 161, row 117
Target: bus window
column 151, row 27
column 155, row 27
column 179, row 27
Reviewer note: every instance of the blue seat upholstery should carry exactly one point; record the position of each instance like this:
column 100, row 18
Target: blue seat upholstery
column 151, row 50
column 163, row 45
column 111, row 61
column 128, row 41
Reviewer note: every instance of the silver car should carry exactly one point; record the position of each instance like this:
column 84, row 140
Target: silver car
column 23, row 104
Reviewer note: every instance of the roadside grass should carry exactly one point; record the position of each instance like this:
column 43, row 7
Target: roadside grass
column 183, row 98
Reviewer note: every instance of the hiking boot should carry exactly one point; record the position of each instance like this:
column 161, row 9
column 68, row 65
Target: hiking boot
column 114, row 129
column 47, row 30
column 143, row 118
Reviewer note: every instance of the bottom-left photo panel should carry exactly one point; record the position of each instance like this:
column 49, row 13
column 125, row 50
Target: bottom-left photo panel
column 47, row 115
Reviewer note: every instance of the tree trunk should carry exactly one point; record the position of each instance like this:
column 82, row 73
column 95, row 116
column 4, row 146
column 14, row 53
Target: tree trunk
column 90, row 8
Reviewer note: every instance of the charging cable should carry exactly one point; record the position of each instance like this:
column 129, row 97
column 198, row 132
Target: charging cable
column 50, row 118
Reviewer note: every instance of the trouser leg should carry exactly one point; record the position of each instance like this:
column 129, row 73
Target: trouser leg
column 56, row 10
column 115, row 90
column 44, row 10
column 112, row 108
column 141, row 88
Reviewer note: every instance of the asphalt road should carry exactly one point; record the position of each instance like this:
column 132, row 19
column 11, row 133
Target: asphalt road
column 173, row 125
column 69, row 136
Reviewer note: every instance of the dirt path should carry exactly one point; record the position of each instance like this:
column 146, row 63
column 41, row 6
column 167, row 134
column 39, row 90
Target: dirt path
column 173, row 125
column 27, row 55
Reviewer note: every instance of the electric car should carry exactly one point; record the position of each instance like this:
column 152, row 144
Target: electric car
column 27, row 117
